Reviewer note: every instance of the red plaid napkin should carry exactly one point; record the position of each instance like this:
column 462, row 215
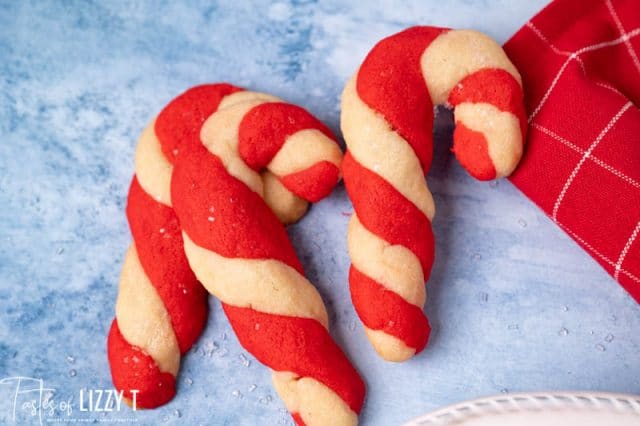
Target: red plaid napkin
column 579, row 60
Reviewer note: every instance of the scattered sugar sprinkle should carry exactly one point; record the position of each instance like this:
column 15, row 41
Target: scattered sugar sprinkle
column 188, row 381
column 210, row 347
column 565, row 308
column 177, row 413
column 60, row 251
column 244, row 360
column 72, row 373
column 236, row 394
column 162, row 230
column 484, row 297
column 70, row 359
column 504, row 390
column 609, row 338
column 600, row 347
column 165, row 418
column 211, row 218
column 265, row 400
column 252, row 388
column 522, row 223
column 563, row 331
column 212, row 209
column 175, row 152
column 257, row 326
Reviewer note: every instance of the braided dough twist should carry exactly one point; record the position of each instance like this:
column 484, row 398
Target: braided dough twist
column 259, row 159
column 387, row 120
column 161, row 308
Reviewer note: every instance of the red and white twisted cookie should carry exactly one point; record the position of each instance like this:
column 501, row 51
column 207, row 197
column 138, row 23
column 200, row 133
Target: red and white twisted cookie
column 161, row 308
column 258, row 156
column 387, row 121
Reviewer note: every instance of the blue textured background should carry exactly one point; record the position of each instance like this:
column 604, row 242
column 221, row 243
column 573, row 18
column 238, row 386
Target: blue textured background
column 515, row 304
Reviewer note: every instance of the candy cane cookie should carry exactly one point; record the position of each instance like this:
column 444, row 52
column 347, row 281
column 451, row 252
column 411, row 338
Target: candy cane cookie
column 161, row 308
column 258, row 159
column 387, row 121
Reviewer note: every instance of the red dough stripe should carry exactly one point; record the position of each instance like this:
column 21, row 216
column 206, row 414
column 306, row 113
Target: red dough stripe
column 178, row 124
column 220, row 213
column 298, row 419
column 390, row 313
column 472, row 151
column 494, row 86
column 387, row 213
column 299, row 345
column 159, row 244
column 313, row 183
column 133, row 369
column 390, row 82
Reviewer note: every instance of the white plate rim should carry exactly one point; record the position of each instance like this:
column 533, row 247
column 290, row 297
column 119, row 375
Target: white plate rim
column 530, row 401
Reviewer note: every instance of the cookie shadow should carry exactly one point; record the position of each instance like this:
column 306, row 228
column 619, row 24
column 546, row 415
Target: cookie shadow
column 440, row 182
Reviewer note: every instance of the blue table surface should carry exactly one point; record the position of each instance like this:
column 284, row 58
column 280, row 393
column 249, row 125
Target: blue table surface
column 515, row 304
